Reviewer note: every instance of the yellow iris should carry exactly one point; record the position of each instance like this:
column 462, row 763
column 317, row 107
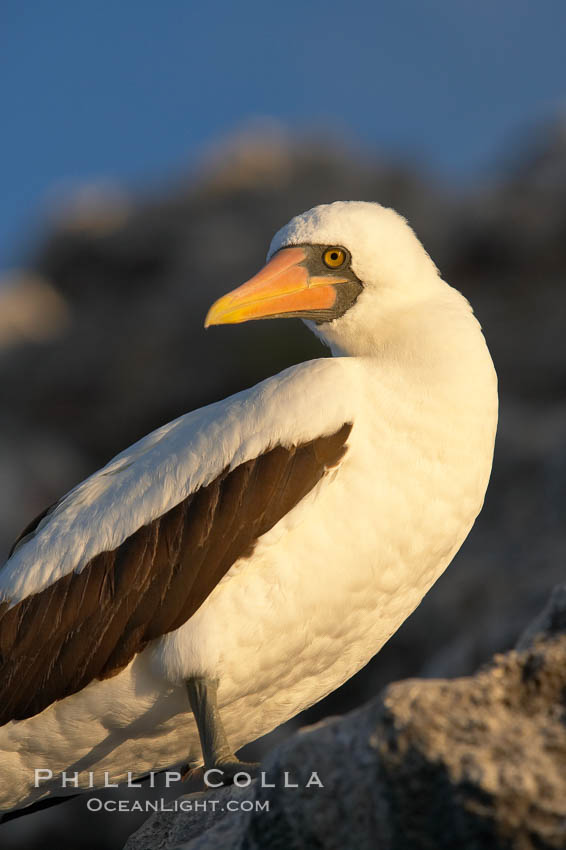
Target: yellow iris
column 334, row 258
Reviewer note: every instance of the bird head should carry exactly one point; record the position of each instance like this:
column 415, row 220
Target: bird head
column 344, row 268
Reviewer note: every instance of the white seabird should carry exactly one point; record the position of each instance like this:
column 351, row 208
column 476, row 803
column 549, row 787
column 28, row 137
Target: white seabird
column 249, row 557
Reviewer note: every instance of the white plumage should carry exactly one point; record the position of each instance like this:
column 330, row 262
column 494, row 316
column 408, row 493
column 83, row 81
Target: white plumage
column 337, row 575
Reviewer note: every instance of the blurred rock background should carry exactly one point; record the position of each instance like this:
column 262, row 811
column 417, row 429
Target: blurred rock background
column 102, row 340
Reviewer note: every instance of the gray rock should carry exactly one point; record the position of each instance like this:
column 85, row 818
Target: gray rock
column 474, row 763
column 200, row 812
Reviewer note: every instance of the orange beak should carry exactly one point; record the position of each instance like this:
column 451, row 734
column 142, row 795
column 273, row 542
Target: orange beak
column 282, row 287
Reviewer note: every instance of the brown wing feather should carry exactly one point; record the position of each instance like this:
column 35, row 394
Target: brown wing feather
column 89, row 625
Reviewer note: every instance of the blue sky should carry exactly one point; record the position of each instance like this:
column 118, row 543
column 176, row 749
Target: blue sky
column 133, row 90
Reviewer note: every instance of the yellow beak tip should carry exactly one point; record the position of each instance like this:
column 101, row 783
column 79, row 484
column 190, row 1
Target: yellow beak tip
column 211, row 318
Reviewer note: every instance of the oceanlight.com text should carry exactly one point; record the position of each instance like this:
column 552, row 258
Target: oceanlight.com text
column 95, row 804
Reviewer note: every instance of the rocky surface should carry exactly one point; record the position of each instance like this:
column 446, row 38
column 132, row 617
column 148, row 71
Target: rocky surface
column 474, row 763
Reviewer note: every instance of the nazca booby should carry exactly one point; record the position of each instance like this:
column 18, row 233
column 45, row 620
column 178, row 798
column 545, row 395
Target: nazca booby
column 249, row 557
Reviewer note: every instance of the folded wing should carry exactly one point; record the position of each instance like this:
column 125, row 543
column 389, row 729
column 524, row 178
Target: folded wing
column 90, row 622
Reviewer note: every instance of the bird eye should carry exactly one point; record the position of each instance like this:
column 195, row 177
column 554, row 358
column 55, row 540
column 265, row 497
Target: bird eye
column 334, row 258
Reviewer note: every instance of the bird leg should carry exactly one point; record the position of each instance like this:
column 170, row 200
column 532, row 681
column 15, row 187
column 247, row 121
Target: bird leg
column 216, row 750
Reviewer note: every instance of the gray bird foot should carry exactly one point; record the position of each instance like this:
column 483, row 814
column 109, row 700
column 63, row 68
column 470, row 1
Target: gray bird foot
column 221, row 766
column 225, row 769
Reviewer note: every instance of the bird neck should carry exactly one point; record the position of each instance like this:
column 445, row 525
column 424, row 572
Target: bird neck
column 435, row 345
